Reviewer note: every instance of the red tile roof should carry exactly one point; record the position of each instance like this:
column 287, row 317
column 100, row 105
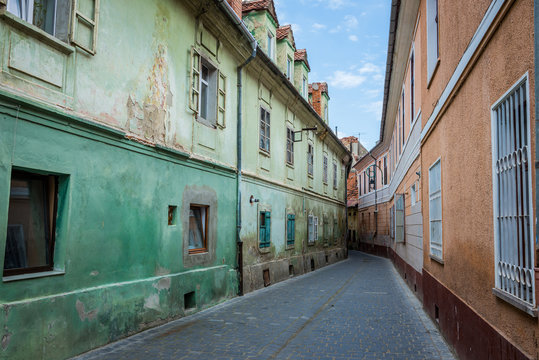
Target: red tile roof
column 257, row 5
column 284, row 31
column 301, row 55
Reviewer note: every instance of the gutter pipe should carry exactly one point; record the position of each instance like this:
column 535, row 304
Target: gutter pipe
column 536, row 45
column 254, row 46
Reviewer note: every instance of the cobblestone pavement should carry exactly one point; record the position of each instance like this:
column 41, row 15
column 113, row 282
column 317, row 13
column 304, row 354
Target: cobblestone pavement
column 356, row 309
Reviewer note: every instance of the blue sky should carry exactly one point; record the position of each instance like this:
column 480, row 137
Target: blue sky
column 346, row 42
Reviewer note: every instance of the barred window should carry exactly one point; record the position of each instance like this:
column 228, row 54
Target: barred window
column 512, row 195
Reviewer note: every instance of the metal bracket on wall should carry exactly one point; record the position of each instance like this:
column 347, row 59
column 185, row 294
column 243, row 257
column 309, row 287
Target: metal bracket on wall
column 298, row 135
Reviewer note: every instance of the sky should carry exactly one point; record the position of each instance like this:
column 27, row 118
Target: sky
column 346, row 42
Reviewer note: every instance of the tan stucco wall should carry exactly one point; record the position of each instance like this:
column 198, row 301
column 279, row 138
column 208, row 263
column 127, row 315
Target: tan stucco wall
column 462, row 139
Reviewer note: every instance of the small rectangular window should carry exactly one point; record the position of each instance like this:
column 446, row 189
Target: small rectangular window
column 264, row 229
column 264, row 130
column 198, row 227
column 290, row 146
column 435, row 210
column 31, row 223
column 433, row 52
column 290, row 229
column 325, row 173
column 288, row 68
column 399, row 218
column 310, row 158
column 413, row 194
column 334, row 175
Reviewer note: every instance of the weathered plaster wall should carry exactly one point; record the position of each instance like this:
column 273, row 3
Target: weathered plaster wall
column 119, row 262
column 462, row 139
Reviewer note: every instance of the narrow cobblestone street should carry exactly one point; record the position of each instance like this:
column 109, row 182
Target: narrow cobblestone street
column 357, row 309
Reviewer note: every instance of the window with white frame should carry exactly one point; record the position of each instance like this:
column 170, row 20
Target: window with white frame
column 264, row 130
column 433, row 52
column 270, row 45
column 435, row 210
column 334, row 175
column 413, row 194
column 512, row 189
column 76, row 23
column 208, row 91
column 289, row 146
column 325, row 169
column 312, row 230
column 399, row 218
column 310, row 159
column 288, row 68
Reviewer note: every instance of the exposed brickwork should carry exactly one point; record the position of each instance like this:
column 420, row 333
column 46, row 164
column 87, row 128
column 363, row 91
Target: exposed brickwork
column 236, row 6
column 257, row 5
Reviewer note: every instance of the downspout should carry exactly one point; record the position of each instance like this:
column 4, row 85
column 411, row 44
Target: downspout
column 536, row 38
column 254, row 45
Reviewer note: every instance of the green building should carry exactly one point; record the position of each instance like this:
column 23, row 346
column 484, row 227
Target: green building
column 122, row 193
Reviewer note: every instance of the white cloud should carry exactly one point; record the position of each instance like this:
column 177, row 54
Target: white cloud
column 317, row 26
column 350, row 22
column 335, row 4
column 375, row 108
column 341, row 135
column 335, row 29
column 369, row 68
column 296, row 28
column 346, row 80
column 353, row 38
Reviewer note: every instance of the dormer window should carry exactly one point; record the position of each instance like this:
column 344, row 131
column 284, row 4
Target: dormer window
column 288, row 68
column 270, row 45
column 304, row 86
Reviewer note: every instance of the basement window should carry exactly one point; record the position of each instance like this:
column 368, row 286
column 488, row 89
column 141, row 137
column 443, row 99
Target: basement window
column 198, row 226
column 31, row 223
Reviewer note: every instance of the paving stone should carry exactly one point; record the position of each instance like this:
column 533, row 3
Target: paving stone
column 356, row 309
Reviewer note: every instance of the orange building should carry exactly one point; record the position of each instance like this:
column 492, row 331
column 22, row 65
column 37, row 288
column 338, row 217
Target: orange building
column 447, row 193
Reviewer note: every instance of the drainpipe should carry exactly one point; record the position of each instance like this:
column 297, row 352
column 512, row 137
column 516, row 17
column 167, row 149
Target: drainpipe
column 536, row 45
column 254, row 45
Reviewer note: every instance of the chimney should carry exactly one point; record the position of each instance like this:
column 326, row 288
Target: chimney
column 355, row 148
column 315, row 90
column 236, row 6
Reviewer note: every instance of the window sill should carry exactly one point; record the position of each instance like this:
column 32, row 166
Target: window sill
column 291, row 166
column 437, row 259
column 36, row 32
column 516, row 302
column 32, row 276
column 191, row 253
column 290, row 247
column 206, row 123
column 310, row 175
column 265, row 250
column 264, row 152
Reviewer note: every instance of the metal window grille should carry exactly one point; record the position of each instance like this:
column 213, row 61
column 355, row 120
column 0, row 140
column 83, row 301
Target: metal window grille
column 513, row 202
column 435, row 210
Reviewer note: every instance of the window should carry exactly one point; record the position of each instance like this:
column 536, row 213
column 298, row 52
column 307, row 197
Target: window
column 334, row 175
column 413, row 194
column 290, row 146
column 264, row 130
column 31, row 223
column 325, row 169
column 513, row 198
column 310, row 158
column 208, row 91
column 326, row 113
column 335, row 231
column 264, row 229
column 412, row 90
column 435, row 210
column 433, row 50
column 198, row 228
column 399, row 218
column 385, row 170
column 326, row 230
column 364, row 182
column 270, row 45
column 360, row 188
column 288, row 68
column 290, row 229
column 402, row 120
column 54, row 17
column 304, row 86
column 392, row 222
column 312, row 228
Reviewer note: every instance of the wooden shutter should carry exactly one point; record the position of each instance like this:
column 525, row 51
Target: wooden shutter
column 221, row 100
column 315, row 228
column 84, row 24
column 310, row 228
column 194, row 92
column 268, row 228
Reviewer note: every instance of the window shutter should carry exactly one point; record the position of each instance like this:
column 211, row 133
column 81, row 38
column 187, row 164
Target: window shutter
column 310, row 228
column 84, row 24
column 315, row 228
column 194, row 81
column 268, row 228
column 221, row 100
column 293, row 237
